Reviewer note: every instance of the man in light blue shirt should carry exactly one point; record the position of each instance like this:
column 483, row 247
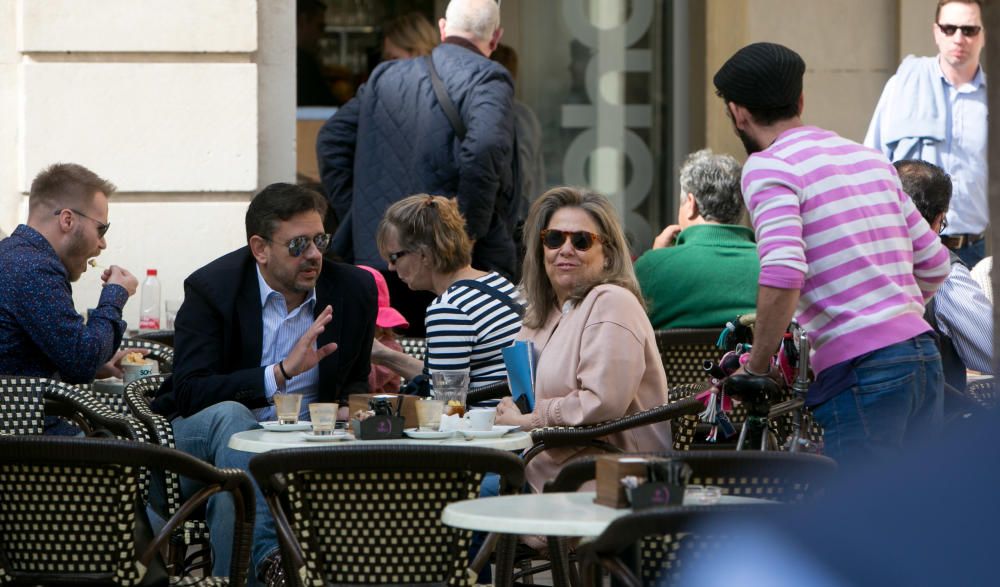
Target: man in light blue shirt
column 934, row 109
column 271, row 316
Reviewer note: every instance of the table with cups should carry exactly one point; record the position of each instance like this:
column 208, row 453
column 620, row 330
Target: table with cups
column 442, row 420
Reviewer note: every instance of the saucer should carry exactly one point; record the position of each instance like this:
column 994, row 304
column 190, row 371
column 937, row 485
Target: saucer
column 312, row 437
column 418, row 434
column 496, row 432
column 275, row 426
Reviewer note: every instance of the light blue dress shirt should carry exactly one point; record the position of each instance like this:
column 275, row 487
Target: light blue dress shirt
column 281, row 330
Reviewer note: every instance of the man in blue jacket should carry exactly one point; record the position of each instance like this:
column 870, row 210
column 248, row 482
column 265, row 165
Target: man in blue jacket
column 394, row 139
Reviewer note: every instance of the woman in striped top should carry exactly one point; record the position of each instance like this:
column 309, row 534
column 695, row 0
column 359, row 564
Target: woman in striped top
column 475, row 315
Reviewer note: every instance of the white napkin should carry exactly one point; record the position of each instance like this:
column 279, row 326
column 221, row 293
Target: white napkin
column 452, row 423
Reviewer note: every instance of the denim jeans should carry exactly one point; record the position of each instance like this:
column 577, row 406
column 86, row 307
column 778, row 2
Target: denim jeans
column 972, row 253
column 898, row 398
column 205, row 435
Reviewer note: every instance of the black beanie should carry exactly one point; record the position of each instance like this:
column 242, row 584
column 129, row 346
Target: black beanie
column 761, row 75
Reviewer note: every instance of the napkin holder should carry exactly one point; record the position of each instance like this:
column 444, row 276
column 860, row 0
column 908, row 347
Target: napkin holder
column 665, row 483
column 378, row 427
column 610, row 470
column 360, row 401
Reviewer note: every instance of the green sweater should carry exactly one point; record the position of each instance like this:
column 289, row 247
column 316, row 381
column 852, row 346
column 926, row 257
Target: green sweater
column 706, row 279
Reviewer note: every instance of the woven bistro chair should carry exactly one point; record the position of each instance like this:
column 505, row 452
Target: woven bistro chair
column 161, row 353
column 371, row 514
column 164, row 337
column 71, row 514
column 25, row 401
column 684, row 351
column 414, row 346
column 491, row 391
column 190, row 547
column 666, row 538
column 983, row 391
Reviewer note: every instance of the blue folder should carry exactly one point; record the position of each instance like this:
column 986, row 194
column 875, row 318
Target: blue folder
column 520, row 361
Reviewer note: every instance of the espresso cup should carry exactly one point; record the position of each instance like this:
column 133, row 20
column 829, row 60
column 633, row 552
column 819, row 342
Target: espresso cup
column 481, row 419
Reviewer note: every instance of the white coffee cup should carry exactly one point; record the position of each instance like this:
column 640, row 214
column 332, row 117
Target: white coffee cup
column 481, row 419
column 133, row 371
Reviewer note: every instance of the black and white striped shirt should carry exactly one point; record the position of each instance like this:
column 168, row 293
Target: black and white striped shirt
column 469, row 328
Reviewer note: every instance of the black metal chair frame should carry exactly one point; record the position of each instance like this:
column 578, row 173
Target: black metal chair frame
column 33, row 452
column 276, row 470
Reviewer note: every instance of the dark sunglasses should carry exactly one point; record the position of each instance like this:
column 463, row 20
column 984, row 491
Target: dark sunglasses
column 394, row 257
column 299, row 244
column 580, row 239
column 102, row 227
column 967, row 30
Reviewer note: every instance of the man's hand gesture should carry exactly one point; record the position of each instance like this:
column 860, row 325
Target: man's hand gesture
column 303, row 356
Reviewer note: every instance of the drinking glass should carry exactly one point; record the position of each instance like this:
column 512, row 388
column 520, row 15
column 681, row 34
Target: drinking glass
column 324, row 417
column 170, row 309
column 429, row 414
column 451, row 386
column 287, row 407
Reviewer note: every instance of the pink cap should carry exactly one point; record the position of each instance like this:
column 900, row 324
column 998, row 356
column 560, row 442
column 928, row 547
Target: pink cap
column 388, row 317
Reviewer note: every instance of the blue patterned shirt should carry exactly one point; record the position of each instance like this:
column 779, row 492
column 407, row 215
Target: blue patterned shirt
column 41, row 333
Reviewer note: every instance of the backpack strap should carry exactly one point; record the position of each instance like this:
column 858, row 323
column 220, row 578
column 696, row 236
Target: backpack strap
column 493, row 293
column 446, row 104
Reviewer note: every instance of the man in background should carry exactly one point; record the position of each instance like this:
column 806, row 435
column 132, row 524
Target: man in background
column 960, row 312
column 702, row 271
column 396, row 138
column 934, row 109
column 41, row 333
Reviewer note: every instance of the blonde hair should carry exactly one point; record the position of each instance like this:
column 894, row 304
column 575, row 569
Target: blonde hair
column 431, row 224
column 618, row 269
column 412, row 33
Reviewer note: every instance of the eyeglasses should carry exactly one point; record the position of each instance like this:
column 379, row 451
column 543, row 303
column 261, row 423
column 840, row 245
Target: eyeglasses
column 299, row 244
column 968, row 31
column 580, row 239
column 102, row 227
column 944, row 225
column 394, row 257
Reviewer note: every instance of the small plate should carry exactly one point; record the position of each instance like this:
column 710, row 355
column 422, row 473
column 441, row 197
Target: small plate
column 274, row 426
column 418, row 434
column 311, row 437
column 497, row 432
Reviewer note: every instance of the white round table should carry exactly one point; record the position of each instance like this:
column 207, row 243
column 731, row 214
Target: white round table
column 548, row 514
column 261, row 440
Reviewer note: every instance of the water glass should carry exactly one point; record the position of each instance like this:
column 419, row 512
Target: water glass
column 451, row 386
column 170, row 308
column 287, row 407
column 324, row 417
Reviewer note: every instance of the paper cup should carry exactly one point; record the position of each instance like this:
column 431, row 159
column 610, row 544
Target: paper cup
column 133, row 371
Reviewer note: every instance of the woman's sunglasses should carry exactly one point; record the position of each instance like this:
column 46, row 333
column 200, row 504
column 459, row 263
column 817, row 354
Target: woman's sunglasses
column 580, row 239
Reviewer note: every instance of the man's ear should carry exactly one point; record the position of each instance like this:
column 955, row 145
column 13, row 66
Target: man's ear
column 441, row 24
column 739, row 114
column 497, row 35
column 65, row 221
column 258, row 248
column 695, row 212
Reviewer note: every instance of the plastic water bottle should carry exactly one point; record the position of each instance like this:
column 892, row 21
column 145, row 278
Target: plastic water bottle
column 149, row 314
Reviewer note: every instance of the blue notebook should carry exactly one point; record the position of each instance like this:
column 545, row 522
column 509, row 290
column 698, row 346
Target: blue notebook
column 520, row 361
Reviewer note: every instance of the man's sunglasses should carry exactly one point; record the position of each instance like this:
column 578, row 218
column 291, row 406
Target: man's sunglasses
column 102, row 227
column 580, row 239
column 299, row 244
column 967, row 30
column 394, row 257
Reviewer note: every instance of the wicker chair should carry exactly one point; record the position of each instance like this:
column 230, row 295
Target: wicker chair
column 163, row 354
column 165, row 337
column 27, row 400
column 667, row 537
column 684, row 351
column 372, row 514
column 415, row 347
column 488, row 392
column 984, row 392
column 70, row 512
column 189, row 547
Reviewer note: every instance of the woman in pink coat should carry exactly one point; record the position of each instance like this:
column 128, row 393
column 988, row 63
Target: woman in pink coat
column 597, row 355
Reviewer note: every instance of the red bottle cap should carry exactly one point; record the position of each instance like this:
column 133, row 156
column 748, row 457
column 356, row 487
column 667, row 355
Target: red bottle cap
column 151, row 272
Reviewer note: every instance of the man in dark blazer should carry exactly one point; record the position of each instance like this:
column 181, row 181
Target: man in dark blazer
column 270, row 317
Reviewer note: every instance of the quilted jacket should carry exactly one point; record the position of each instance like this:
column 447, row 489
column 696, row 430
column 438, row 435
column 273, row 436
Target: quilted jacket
column 393, row 140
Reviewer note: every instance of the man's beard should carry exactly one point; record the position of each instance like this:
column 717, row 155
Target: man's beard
column 76, row 249
column 749, row 144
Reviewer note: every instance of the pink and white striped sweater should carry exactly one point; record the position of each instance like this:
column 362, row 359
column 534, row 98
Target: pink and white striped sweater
column 833, row 221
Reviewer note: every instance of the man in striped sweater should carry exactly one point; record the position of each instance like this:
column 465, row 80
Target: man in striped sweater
column 844, row 251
